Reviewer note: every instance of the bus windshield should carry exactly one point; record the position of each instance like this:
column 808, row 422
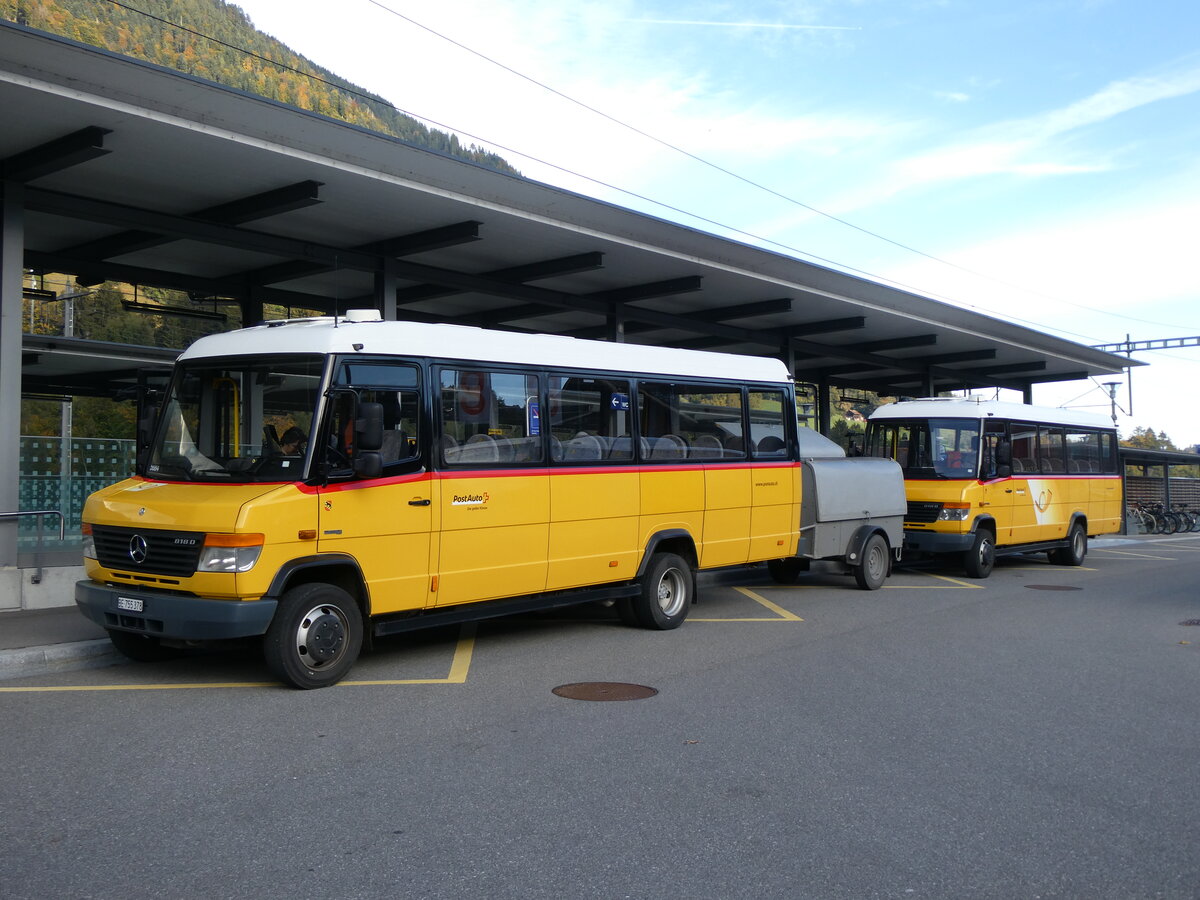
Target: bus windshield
column 246, row 420
column 928, row 448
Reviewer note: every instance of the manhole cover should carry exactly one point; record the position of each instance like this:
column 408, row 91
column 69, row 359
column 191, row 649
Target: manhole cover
column 1053, row 587
column 604, row 690
column 1190, row 622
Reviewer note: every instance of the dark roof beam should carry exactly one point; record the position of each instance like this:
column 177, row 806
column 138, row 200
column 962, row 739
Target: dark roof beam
column 407, row 244
column 720, row 314
column 964, row 356
column 430, row 239
column 54, row 156
column 1012, row 369
column 235, row 212
column 186, row 228
column 599, row 302
column 900, row 343
column 827, row 326
column 549, row 268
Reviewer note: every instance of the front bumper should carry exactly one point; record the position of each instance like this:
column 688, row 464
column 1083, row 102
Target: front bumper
column 173, row 616
column 937, row 542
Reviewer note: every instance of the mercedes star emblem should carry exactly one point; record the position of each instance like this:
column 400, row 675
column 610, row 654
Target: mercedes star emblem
column 138, row 549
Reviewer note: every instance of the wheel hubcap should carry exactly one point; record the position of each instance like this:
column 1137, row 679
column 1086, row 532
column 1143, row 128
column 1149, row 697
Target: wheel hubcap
column 321, row 636
column 876, row 562
column 671, row 594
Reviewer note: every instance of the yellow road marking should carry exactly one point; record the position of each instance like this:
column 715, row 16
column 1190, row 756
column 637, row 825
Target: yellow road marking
column 954, row 581
column 1047, row 567
column 1134, row 555
column 782, row 614
column 459, row 667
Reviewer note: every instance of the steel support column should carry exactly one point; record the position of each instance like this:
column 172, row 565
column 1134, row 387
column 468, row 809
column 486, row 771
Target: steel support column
column 824, row 409
column 12, row 248
column 385, row 289
column 615, row 323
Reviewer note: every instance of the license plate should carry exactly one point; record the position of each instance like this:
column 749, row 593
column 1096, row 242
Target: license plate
column 131, row 604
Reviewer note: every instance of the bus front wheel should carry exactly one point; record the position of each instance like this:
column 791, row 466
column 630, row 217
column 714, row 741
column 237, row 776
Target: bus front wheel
column 979, row 560
column 315, row 636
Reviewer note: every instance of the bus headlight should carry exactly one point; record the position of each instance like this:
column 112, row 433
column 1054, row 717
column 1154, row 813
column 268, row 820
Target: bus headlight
column 89, row 541
column 954, row 512
column 230, row 552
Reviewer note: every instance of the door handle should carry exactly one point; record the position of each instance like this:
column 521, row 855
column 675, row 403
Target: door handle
column 419, row 502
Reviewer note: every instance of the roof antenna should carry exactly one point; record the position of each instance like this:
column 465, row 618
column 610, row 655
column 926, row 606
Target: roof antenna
column 337, row 289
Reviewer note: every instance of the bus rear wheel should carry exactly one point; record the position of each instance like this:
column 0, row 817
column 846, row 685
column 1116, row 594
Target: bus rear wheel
column 1076, row 550
column 667, row 589
column 787, row 570
column 979, row 561
column 315, row 636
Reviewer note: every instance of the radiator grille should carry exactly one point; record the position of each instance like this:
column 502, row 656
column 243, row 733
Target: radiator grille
column 923, row 512
column 148, row 550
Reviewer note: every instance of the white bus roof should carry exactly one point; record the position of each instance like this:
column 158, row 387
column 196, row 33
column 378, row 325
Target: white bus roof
column 362, row 331
column 971, row 408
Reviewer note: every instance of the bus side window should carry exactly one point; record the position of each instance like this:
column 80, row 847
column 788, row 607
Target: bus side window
column 1024, row 449
column 768, row 436
column 489, row 418
column 396, row 387
column 589, row 419
column 1083, row 452
column 1050, row 450
column 1108, row 453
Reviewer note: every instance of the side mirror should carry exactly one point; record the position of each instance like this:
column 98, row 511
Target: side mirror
column 1003, row 471
column 1004, row 454
column 368, row 428
column 368, row 464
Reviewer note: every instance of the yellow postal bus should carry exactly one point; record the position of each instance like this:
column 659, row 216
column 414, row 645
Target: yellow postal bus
column 986, row 477
column 318, row 482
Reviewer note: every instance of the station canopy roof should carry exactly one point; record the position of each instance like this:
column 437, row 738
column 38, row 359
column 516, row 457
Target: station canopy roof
column 131, row 172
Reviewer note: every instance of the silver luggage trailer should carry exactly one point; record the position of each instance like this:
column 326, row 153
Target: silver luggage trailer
column 851, row 509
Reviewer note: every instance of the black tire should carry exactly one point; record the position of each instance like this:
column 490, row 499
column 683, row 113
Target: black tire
column 979, row 561
column 874, row 564
column 668, row 587
column 786, row 571
column 140, row 647
column 1076, row 550
column 315, row 636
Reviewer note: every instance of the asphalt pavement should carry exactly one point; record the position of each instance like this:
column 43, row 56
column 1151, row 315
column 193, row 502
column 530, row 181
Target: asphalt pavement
column 1032, row 735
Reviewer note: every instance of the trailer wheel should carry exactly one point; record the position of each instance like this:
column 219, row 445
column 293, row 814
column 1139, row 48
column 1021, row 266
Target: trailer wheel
column 315, row 636
column 872, row 571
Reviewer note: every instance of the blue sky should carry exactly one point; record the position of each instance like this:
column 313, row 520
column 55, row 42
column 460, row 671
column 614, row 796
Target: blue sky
column 1034, row 161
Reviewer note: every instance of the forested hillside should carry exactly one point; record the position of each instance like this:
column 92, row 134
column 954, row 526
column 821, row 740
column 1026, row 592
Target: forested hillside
column 176, row 34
